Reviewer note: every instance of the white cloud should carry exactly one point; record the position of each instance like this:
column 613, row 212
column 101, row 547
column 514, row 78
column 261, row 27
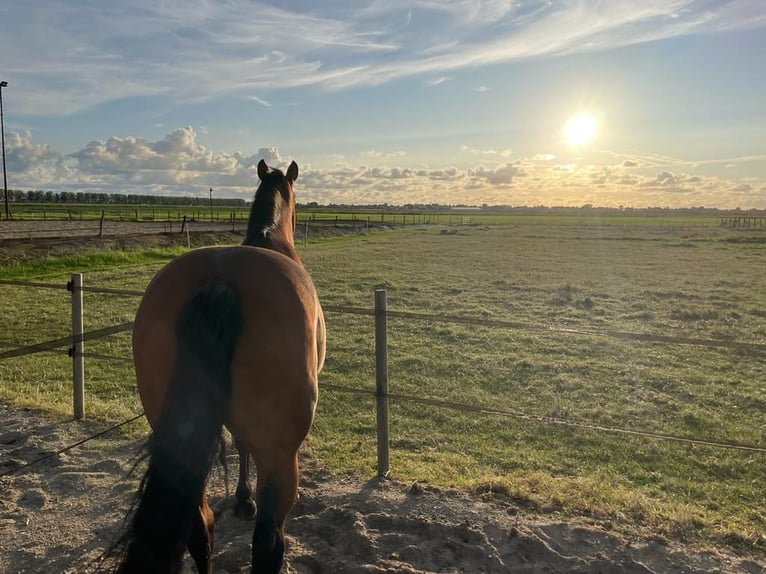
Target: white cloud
column 500, row 153
column 70, row 56
column 23, row 156
column 260, row 101
column 179, row 164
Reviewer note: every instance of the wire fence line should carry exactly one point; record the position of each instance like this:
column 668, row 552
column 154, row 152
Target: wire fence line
column 66, row 341
column 56, row 344
column 519, row 326
column 67, row 448
column 543, row 418
column 745, row 346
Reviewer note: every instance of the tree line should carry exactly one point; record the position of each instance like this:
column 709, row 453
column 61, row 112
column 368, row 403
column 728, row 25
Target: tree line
column 92, row 198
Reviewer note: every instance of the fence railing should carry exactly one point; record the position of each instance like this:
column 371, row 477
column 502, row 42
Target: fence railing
column 47, row 228
column 75, row 341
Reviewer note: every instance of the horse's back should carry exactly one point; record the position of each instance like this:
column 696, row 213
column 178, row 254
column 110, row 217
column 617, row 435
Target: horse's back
column 280, row 348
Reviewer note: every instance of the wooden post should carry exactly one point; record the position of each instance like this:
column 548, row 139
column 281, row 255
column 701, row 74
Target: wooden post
column 101, row 224
column 306, row 234
column 381, row 381
column 183, row 224
column 75, row 351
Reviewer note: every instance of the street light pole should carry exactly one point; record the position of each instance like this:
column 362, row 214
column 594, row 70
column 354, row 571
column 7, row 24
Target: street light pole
column 2, row 134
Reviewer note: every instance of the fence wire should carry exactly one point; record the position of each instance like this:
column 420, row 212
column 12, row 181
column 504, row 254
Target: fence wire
column 66, row 341
column 518, row 326
column 543, row 418
column 99, row 333
column 69, row 447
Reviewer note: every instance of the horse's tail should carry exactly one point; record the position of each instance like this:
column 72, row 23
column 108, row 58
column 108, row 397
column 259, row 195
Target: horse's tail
column 186, row 437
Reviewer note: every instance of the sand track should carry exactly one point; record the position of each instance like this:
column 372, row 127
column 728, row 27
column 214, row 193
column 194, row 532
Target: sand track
column 58, row 516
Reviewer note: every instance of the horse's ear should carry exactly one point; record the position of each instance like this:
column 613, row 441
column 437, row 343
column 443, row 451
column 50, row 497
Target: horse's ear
column 263, row 169
column 292, row 172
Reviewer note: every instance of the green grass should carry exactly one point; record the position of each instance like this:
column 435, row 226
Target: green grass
column 689, row 280
column 51, row 266
column 493, row 216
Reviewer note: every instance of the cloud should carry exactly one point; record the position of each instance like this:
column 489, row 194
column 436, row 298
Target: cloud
column 666, row 178
column 88, row 54
column 630, row 163
column 23, row 156
column 178, row 164
column 378, row 155
column 258, row 100
column 501, row 175
column 500, row 153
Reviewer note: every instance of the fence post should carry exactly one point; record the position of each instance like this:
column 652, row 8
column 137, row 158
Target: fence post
column 381, row 381
column 101, row 224
column 75, row 351
column 306, row 234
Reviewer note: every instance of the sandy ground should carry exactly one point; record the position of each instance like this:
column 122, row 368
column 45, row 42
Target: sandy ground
column 58, row 516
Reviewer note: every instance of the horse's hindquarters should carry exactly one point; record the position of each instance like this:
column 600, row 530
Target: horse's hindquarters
column 274, row 371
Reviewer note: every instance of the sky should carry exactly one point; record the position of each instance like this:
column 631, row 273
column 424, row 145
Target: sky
column 392, row 101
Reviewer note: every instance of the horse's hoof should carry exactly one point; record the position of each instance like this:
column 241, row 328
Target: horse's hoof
column 245, row 509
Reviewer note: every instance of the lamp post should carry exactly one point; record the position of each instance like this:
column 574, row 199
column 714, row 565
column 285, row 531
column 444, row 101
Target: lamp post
column 2, row 135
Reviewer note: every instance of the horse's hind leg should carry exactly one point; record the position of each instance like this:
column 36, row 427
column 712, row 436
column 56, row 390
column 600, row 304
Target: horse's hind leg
column 245, row 504
column 201, row 537
column 276, row 491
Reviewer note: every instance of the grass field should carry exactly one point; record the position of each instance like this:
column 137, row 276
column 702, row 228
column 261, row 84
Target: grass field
column 683, row 278
column 445, row 216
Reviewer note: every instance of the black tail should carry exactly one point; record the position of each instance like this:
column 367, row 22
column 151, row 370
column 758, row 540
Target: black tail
column 186, row 437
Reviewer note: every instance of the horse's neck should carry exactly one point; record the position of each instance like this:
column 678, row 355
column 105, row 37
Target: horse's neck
column 270, row 238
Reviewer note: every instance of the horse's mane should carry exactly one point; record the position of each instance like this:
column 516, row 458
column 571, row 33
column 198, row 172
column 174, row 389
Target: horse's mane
column 267, row 209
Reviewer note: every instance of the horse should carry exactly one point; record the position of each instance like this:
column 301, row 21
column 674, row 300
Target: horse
column 225, row 336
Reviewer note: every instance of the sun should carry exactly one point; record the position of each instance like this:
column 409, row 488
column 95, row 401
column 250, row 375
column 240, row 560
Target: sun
column 580, row 129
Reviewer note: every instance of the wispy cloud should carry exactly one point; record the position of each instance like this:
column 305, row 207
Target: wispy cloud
column 70, row 56
column 491, row 152
column 260, row 101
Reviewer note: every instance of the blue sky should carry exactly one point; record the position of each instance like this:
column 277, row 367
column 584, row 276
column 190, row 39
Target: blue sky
column 457, row 101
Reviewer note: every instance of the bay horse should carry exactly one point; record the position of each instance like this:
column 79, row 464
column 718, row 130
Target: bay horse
column 230, row 336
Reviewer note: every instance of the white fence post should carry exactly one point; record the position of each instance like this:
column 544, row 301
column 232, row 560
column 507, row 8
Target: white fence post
column 381, row 381
column 75, row 351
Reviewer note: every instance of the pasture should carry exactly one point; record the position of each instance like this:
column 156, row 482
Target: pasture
column 681, row 278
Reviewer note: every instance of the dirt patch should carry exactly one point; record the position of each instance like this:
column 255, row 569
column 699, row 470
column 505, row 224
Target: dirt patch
column 60, row 515
column 23, row 240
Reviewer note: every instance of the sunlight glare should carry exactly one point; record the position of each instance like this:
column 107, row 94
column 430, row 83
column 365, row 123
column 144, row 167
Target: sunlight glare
column 580, row 129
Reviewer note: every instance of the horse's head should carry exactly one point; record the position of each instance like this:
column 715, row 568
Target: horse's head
column 273, row 211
